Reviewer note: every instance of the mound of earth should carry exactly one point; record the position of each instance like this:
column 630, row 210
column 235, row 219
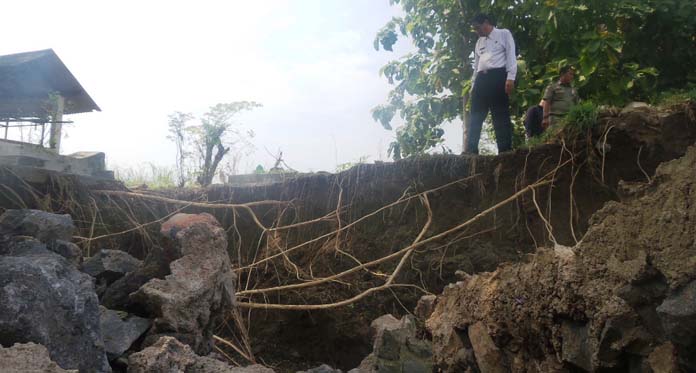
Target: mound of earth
column 623, row 299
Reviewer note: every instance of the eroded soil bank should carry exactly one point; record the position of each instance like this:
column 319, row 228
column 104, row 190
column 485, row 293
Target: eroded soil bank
column 621, row 300
column 316, row 226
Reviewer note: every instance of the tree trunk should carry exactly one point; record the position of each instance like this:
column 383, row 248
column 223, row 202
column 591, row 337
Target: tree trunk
column 211, row 164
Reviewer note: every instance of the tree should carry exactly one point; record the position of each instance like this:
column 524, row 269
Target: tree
column 177, row 133
column 206, row 144
column 623, row 50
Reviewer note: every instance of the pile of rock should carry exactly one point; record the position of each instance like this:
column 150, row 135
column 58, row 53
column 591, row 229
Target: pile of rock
column 44, row 298
column 155, row 315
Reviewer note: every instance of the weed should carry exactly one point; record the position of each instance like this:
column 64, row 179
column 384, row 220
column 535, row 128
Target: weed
column 155, row 177
column 580, row 119
column 676, row 97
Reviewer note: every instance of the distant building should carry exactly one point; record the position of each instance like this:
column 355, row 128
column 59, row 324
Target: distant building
column 36, row 91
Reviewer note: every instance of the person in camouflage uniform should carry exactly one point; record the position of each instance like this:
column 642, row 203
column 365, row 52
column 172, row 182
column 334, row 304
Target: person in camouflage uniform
column 559, row 97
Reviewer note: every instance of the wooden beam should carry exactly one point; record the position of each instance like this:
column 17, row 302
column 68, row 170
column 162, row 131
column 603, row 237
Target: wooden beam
column 56, row 125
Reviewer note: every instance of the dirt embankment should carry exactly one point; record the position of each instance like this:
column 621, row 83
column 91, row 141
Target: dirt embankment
column 621, row 300
column 635, row 143
column 343, row 219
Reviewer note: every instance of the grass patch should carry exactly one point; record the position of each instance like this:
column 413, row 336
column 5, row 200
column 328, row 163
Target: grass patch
column 676, row 97
column 153, row 176
column 580, row 119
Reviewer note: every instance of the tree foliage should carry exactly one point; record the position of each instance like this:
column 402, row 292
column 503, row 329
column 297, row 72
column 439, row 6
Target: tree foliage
column 201, row 147
column 623, row 50
column 177, row 133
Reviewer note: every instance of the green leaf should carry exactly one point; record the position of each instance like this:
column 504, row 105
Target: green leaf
column 614, row 45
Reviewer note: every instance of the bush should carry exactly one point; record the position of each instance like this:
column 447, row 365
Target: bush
column 580, row 119
column 582, row 116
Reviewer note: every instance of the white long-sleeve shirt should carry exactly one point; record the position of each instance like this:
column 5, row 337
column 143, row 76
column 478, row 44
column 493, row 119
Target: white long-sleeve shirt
column 495, row 51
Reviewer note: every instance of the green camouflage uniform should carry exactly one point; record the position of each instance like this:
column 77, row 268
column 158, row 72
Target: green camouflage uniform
column 561, row 97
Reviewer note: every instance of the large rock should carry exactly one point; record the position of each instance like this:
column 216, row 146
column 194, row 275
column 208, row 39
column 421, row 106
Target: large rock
column 678, row 315
column 156, row 265
column 192, row 300
column 576, row 352
column 107, row 266
column 67, row 250
column 120, row 330
column 489, row 357
column 166, row 355
column 52, row 229
column 663, row 359
column 425, row 307
column 397, row 348
column 110, row 265
column 44, row 299
column 44, row 226
column 169, row 355
column 322, row 369
column 28, row 358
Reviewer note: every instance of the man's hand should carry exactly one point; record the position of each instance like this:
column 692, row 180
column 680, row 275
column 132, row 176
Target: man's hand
column 509, row 86
column 545, row 123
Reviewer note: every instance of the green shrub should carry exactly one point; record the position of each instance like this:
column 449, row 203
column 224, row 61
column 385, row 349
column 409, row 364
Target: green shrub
column 579, row 120
column 582, row 116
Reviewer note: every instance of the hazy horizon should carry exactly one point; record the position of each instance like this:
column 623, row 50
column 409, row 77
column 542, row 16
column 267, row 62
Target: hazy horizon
column 311, row 64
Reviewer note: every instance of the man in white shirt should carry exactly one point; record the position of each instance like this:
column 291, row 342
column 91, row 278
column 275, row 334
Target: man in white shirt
column 495, row 68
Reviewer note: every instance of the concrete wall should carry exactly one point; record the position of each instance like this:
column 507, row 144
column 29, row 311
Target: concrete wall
column 15, row 153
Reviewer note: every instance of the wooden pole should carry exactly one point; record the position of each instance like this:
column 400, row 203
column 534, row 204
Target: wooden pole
column 43, row 134
column 56, row 125
column 465, row 121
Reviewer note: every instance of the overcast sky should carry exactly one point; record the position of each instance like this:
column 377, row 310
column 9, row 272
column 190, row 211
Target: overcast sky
column 311, row 64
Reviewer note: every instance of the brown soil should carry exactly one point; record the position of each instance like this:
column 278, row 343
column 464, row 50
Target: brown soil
column 600, row 306
column 639, row 140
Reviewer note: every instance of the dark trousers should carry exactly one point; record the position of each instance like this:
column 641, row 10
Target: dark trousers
column 489, row 94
